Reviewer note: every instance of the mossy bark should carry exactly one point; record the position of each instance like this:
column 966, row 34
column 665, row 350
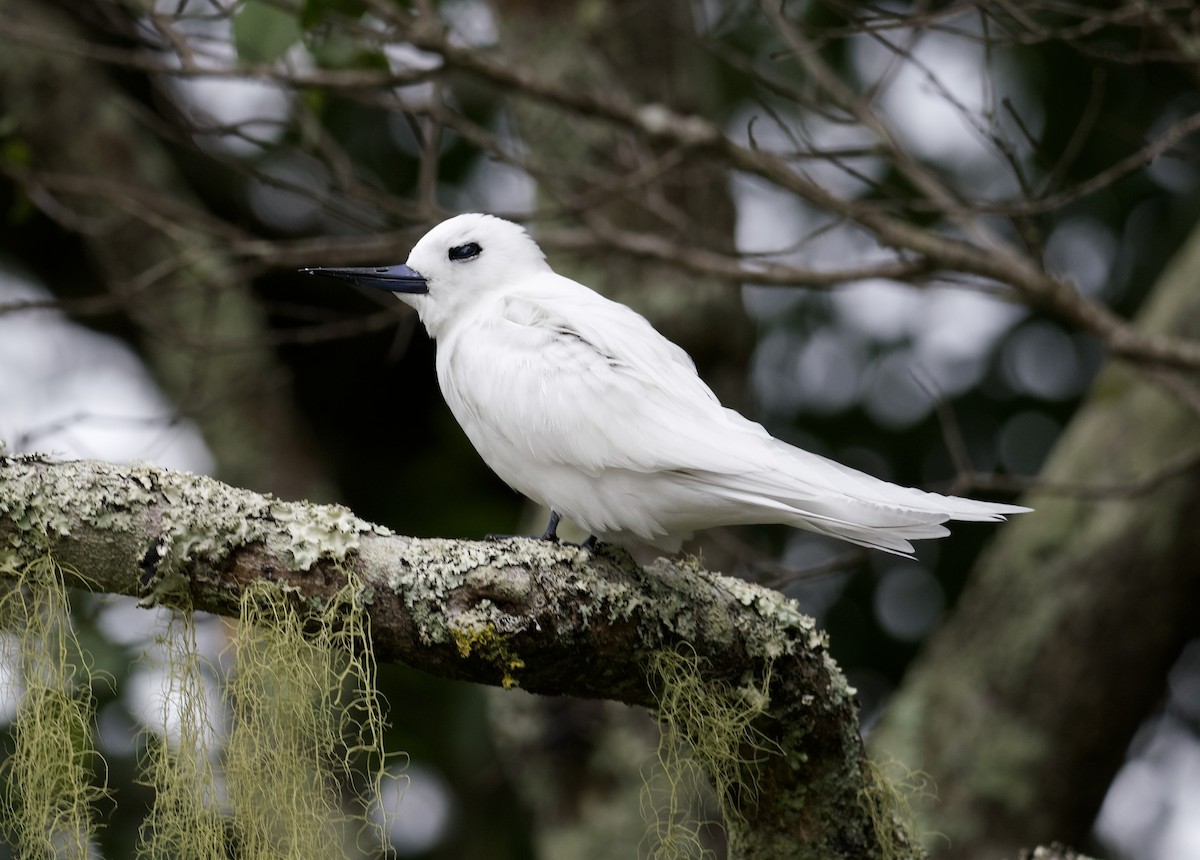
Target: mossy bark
column 1023, row 705
column 553, row 619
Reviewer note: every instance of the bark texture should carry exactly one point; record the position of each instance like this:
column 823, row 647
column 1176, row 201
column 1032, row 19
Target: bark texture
column 552, row 619
column 1022, row 707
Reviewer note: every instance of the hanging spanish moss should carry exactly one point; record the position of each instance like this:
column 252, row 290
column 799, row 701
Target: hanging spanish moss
column 53, row 777
column 306, row 717
column 186, row 820
column 708, row 747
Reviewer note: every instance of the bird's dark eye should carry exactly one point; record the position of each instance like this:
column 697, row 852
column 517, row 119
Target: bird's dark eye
column 465, row 252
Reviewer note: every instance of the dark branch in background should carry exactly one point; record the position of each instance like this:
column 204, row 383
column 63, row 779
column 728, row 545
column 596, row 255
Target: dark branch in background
column 768, row 571
column 600, row 234
column 13, row 30
column 996, row 261
column 992, row 260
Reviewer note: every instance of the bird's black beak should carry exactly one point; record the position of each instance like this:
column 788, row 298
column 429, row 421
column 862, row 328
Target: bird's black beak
column 395, row 279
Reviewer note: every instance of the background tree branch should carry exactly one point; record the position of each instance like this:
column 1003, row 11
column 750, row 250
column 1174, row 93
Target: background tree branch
column 154, row 254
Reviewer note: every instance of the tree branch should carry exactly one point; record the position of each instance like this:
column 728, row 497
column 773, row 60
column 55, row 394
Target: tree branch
column 994, row 259
column 555, row 619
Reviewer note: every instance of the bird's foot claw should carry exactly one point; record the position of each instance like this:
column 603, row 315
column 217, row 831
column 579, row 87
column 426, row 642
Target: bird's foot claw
column 551, row 539
column 551, row 535
column 591, row 544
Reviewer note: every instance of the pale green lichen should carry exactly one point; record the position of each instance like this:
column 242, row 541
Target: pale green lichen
column 427, row 571
column 205, row 519
column 199, row 520
column 432, row 567
column 41, row 502
column 317, row 532
column 622, row 600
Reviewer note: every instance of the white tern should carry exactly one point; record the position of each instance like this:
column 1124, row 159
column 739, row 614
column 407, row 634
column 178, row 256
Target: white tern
column 577, row 402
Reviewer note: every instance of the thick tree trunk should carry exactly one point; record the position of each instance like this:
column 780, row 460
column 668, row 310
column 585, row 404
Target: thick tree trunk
column 1023, row 705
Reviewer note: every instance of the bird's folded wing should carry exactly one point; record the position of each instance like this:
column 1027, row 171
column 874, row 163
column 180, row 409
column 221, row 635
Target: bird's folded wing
column 579, row 380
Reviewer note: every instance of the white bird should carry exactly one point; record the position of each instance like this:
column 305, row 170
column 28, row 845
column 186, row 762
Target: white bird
column 577, row 402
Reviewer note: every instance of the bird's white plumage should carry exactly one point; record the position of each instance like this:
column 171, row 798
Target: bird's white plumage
column 578, row 403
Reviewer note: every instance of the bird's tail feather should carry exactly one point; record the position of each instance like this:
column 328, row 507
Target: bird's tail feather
column 832, row 499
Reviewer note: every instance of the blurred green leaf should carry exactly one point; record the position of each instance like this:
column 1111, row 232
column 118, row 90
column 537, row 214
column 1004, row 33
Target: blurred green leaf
column 262, row 32
column 315, row 100
column 345, row 54
column 16, row 153
column 371, row 60
column 21, row 210
column 313, row 12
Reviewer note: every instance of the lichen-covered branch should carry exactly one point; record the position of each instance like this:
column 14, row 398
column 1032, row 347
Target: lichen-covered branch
column 548, row 618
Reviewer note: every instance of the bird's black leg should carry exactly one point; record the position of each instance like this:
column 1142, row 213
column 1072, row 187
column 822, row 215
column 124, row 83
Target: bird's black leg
column 590, row 543
column 551, row 532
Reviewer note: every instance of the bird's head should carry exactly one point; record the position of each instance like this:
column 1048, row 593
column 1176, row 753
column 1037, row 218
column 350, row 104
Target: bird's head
column 453, row 265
